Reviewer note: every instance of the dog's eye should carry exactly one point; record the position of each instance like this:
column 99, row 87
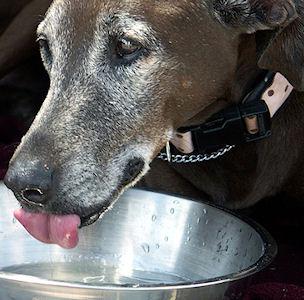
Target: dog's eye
column 45, row 50
column 127, row 49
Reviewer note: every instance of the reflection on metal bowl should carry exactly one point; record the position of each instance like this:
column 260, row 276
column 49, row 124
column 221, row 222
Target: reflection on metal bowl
column 149, row 246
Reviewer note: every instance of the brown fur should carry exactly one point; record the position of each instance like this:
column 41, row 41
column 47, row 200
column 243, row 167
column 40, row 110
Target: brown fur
column 258, row 170
column 205, row 55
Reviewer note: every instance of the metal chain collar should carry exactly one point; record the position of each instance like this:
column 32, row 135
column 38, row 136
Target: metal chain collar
column 186, row 159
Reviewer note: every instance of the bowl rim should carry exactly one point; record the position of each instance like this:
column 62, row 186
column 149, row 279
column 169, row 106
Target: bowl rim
column 269, row 245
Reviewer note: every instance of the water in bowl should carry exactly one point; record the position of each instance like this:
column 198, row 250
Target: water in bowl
column 92, row 274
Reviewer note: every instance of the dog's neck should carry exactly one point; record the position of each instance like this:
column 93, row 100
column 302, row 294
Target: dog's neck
column 247, row 73
column 273, row 90
column 247, row 77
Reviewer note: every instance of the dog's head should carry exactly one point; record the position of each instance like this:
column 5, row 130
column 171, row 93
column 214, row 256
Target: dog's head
column 124, row 76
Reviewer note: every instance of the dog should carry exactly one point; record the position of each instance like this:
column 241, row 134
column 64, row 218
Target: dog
column 126, row 75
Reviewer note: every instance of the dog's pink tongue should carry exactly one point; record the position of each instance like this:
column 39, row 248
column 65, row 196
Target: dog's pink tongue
column 51, row 229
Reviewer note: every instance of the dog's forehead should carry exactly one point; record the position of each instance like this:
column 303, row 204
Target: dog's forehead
column 172, row 7
column 83, row 13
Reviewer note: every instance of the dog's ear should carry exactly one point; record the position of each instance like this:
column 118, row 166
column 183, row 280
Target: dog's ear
column 279, row 32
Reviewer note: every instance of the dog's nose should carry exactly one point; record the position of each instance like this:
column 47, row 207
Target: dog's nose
column 31, row 182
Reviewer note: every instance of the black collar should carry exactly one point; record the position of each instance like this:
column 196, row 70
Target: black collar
column 230, row 125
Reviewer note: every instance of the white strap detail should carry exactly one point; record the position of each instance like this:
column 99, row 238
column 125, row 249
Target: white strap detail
column 183, row 142
column 277, row 93
column 274, row 96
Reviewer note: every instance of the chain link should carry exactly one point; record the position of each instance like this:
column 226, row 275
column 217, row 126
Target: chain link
column 186, row 159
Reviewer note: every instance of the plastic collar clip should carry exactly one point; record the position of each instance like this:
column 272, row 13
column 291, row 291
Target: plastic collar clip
column 238, row 124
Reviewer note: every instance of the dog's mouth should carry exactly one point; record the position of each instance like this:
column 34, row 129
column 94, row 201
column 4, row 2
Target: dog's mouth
column 93, row 217
column 89, row 220
column 49, row 225
column 51, row 229
column 132, row 171
column 54, row 228
column 61, row 230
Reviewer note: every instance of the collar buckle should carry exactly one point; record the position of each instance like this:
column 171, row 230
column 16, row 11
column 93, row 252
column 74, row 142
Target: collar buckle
column 235, row 125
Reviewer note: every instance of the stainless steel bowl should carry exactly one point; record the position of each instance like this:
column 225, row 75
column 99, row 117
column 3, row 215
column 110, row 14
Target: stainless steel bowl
column 149, row 246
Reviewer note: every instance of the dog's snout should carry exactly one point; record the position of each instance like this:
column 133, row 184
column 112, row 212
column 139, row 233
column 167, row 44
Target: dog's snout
column 31, row 182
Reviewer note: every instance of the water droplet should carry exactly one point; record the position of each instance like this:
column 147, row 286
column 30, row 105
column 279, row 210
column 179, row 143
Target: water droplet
column 245, row 254
column 198, row 220
column 166, row 239
column 157, row 246
column 146, row 248
column 94, row 279
column 205, row 211
column 175, row 202
column 188, row 239
column 204, row 244
column 154, row 218
column 172, row 211
column 14, row 221
column 207, row 221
